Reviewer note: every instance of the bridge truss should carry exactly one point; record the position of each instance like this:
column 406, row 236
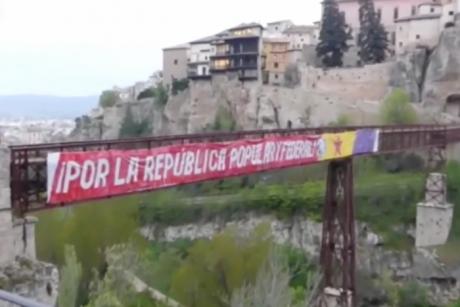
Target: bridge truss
column 28, row 182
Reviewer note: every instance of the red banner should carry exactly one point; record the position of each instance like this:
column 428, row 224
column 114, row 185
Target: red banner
column 77, row 176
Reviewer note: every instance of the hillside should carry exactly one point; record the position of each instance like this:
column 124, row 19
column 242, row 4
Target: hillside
column 45, row 107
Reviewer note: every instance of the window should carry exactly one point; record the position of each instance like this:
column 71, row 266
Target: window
column 414, row 10
column 417, row 36
column 203, row 71
column 393, row 38
column 432, row 10
column 396, row 13
column 276, row 28
column 400, row 44
column 276, row 65
column 379, row 13
column 451, row 13
column 206, row 57
column 176, row 61
column 276, row 76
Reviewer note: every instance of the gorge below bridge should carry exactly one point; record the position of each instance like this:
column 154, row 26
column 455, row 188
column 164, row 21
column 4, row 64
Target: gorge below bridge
column 47, row 176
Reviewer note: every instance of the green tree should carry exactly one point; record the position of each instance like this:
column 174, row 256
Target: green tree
column 219, row 267
column 148, row 93
column 397, row 109
column 179, row 85
column 131, row 128
column 333, row 36
column 108, row 98
column 224, row 120
column 161, row 94
column 372, row 38
column 70, row 279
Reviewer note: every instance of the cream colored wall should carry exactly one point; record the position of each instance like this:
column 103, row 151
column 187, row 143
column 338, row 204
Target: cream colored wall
column 415, row 32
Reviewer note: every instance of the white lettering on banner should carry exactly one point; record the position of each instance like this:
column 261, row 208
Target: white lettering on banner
column 102, row 171
column 72, row 173
column 269, row 152
column 159, row 164
column 118, row 181
column 133, row 170
column 197, row 169
column 179, row 164
column 213, row 160
column 169, row 165
column 222, row 159
column 148, row 168
column 61, row 177
column 189, row 163
column 88, row 174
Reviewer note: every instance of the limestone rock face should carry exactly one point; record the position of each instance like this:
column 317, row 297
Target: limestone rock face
column 36, row 280
column 443, row 72
column 372, row 257
column 408, row 72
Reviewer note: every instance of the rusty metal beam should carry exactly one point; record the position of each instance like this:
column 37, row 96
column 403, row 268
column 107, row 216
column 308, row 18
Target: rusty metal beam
column 28, row 162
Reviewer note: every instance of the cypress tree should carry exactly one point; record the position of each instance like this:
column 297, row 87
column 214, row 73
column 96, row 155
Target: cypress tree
column 333, row 35
column 372, row 38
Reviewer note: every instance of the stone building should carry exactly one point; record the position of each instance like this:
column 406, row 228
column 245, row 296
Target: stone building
column 408, row 23
column 300, row 36
column 175, row 63
column 425, row 27
column 239, row 52
column 277, row 28
column 276, row 59
column 200, row 55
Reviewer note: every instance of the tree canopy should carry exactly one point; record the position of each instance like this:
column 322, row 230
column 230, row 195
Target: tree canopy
column 333, row 36
column 372, row 38
column 397, row 109
column 108, row 98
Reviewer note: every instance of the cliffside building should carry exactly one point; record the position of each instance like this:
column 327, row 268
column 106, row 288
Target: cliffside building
column 199, row 64
column 425, row 27
column 276, row 59
column 239, row 52
column 409, row 23
column 175, row 63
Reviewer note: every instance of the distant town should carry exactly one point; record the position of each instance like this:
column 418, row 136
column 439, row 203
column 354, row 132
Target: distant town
column 253, row 52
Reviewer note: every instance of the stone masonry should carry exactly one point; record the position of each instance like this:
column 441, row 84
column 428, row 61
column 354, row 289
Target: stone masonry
column 434, row 215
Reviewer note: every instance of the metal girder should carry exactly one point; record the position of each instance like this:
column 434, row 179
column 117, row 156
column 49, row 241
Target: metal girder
column 338, row 236
column 28, row 162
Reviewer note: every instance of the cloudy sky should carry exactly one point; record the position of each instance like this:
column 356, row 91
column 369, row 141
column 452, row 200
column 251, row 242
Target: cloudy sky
column 80, row 47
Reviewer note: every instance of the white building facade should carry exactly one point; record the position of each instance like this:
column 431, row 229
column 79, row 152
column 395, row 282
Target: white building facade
column 199, row 64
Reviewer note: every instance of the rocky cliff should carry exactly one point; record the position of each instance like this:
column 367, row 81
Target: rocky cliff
column 373, row 259
column 318, row 98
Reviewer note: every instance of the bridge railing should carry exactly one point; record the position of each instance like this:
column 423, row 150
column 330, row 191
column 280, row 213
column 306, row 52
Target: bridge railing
column 28, row 162
column 19, row 300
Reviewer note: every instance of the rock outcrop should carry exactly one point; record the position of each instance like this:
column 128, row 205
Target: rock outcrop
column 408, row 72
column 443, row 72
column 31, row 279
column 372, row 257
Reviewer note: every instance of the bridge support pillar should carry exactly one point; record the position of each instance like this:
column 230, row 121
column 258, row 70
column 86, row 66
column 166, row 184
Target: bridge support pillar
column 434, row 214
column 338, row 237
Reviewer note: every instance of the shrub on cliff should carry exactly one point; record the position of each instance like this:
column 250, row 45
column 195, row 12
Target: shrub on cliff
column 397, row 109
column 131, row 128
column 108, row 99
column 179, row 85
column 70, row 279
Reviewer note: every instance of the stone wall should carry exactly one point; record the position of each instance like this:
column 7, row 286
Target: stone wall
column 361, row 83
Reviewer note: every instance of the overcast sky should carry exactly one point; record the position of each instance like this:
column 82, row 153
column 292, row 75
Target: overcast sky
column 80, row 47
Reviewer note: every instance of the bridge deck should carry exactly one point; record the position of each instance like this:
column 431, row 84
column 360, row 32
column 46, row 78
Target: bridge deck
column 28, row 178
